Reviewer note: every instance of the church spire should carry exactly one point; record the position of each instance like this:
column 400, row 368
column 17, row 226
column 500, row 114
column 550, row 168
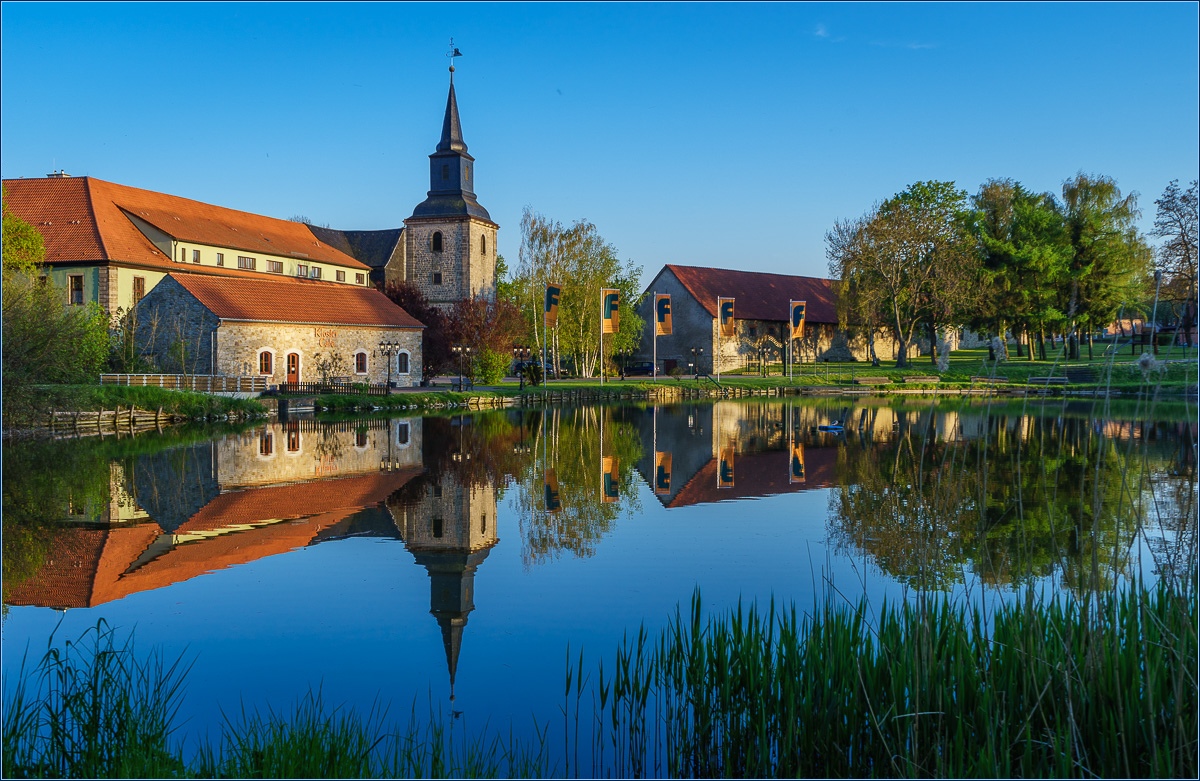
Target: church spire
column 452, row 140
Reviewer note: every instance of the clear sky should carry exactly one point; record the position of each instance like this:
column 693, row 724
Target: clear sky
column 729, row 135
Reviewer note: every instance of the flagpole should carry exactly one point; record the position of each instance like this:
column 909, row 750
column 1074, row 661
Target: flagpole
column 717, row 357
column 654, row 325
column 601, row 336
column 545, row 336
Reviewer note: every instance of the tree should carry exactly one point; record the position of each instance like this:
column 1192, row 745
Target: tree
column 1109, row 264
column 436, row 356
column 45, row 341
column 581, row 262
column 1024, row 250
column 1176, row 221
column 910, row 261
column 488, row 326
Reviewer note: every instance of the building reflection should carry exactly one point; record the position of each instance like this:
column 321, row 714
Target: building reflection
column 185, row 512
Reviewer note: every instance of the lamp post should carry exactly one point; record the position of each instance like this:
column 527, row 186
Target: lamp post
column 697, row 355
column 389, row 349
column 521, row 357
column 460, row 350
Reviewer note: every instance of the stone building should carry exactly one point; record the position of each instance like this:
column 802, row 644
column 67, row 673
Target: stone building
column 760, row 322
column 112, row 244
column 447, row 248
column 285, row 330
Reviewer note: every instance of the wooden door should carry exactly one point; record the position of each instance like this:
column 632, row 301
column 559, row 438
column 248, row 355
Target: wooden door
column 293, row 367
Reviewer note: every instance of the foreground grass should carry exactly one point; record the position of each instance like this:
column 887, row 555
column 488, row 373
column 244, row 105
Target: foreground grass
column 89, row 398
column 1104, row 686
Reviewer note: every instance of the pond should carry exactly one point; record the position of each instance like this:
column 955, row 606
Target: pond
column 453, row 562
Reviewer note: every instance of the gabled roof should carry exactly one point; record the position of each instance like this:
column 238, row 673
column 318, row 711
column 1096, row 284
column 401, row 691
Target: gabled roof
column 374, row 248
column 758, row 296
column 758, row 475
column 290, row 300
column 88, row 219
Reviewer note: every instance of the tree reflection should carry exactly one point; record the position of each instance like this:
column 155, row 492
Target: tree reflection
column 1023, row 497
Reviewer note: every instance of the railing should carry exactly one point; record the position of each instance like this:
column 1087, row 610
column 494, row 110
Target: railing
column 203, row 383
column 354, row 389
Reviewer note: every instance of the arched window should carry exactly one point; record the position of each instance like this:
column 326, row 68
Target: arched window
column 402, row 363
column 436, row 242
column 402, row 434
column 483, row 245
column 360, row 362
column 266, row 362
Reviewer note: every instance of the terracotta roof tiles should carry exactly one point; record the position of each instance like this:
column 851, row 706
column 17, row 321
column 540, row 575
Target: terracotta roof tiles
column 88, row 219
column 290, row 300
column 757, row 295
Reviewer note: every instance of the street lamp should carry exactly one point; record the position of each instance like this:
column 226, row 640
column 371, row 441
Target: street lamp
column 460, row 350
column 389, row 349
column 697, row 354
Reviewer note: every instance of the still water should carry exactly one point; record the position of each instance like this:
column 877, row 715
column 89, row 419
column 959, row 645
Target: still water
column 451, row 561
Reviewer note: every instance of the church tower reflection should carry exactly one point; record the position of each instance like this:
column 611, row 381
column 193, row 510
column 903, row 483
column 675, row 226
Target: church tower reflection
column 447, row 520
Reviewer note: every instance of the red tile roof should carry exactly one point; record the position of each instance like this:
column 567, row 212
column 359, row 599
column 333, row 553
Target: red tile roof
column 289, row 300
column 759, row 474
column 759, row 296
column 84, row 219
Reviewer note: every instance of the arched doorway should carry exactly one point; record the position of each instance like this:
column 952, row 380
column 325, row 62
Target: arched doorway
column 293, row 367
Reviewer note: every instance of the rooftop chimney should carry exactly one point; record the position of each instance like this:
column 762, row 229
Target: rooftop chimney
column 58, row 175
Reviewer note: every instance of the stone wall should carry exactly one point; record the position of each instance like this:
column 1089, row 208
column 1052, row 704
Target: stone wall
column 443, row 513
column 240, row 344
column 175, row 331
column 467, row 261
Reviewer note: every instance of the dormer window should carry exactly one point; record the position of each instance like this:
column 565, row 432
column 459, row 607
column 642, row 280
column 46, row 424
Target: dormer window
column 436, row 243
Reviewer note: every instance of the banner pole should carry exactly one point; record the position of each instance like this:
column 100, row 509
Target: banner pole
column 717, row 352
column 601, row 336
column 654, row 325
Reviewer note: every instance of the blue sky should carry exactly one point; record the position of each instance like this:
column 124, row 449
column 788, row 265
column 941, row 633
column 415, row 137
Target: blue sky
column 730, row 135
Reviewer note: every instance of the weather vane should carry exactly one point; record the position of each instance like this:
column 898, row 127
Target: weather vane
column 454, row 52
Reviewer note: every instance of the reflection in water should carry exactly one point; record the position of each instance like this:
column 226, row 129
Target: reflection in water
column 931, row 494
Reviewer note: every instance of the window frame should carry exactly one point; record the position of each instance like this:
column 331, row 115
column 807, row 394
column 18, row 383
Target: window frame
column 73, row 288
column 360, row 357
column 248, row 263
column 139, row 289
column 302, row 270
column 196, row 256
column 407, row 370
column 269, row 355
column 314, row 272
column 360, row 279
column 437, row 242
column 220, row 258
column 340, row 275
column 274, row 266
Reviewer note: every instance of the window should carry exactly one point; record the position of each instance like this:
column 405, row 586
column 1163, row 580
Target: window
column 183, row 254
column 483, row 245
column 293, row 437
column 220, row 258
column 75, row 288
column 753, row 331
column 360, row 279
column 266, row 363
column 436, row 242
column 445, row 172
column 402, row 363
column 195, row 256
column 275, row 266
column 402, row 435
column 245, row 262
column 139, row 289
column 437, row 277
column 315, row 272
column 360, row 363
column 483, row 524
column 437, row 527
column 266, row 443
column 360, row 438
column 302, row 270
column 341, row 276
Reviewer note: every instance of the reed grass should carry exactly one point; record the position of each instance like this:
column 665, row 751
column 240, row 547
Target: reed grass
column 1099, row 687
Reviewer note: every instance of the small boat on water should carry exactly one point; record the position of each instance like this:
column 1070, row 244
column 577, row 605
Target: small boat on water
column 835, row 425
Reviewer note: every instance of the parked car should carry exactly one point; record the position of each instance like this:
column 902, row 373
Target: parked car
column 640, row 369
column 519, row 367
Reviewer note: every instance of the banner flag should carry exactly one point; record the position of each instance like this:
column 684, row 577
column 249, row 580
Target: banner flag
column 612, row 479
column 725, row 315
column 662, row 473
column 725, row 468
column 662, row 314
column 610, row 314
column 796, row 475
column 553, row 503
column 797, row 309
column 551, row 316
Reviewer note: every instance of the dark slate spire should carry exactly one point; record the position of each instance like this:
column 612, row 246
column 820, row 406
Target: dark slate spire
column 451, row 171
column 452, row 140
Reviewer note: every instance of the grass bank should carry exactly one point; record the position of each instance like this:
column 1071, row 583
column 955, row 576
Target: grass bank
column 88, row 398
column 1104, row 686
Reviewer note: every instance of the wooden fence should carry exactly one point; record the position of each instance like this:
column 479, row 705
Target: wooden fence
column 203, row 383
column 354, row 389
column 117, row 421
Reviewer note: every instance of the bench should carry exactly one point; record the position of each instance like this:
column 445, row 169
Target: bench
column 923, row 379
column 872, row 380
column 1048, row 380
column 991, row 380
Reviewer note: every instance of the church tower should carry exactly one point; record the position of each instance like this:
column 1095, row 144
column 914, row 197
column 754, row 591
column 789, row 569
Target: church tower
column 450, row 240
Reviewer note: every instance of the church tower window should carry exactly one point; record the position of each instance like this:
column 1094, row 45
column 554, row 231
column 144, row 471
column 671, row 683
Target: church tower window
column 436, row 243
column 483, row 245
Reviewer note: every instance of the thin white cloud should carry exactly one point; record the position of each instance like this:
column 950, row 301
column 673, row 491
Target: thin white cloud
column 821, row 32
